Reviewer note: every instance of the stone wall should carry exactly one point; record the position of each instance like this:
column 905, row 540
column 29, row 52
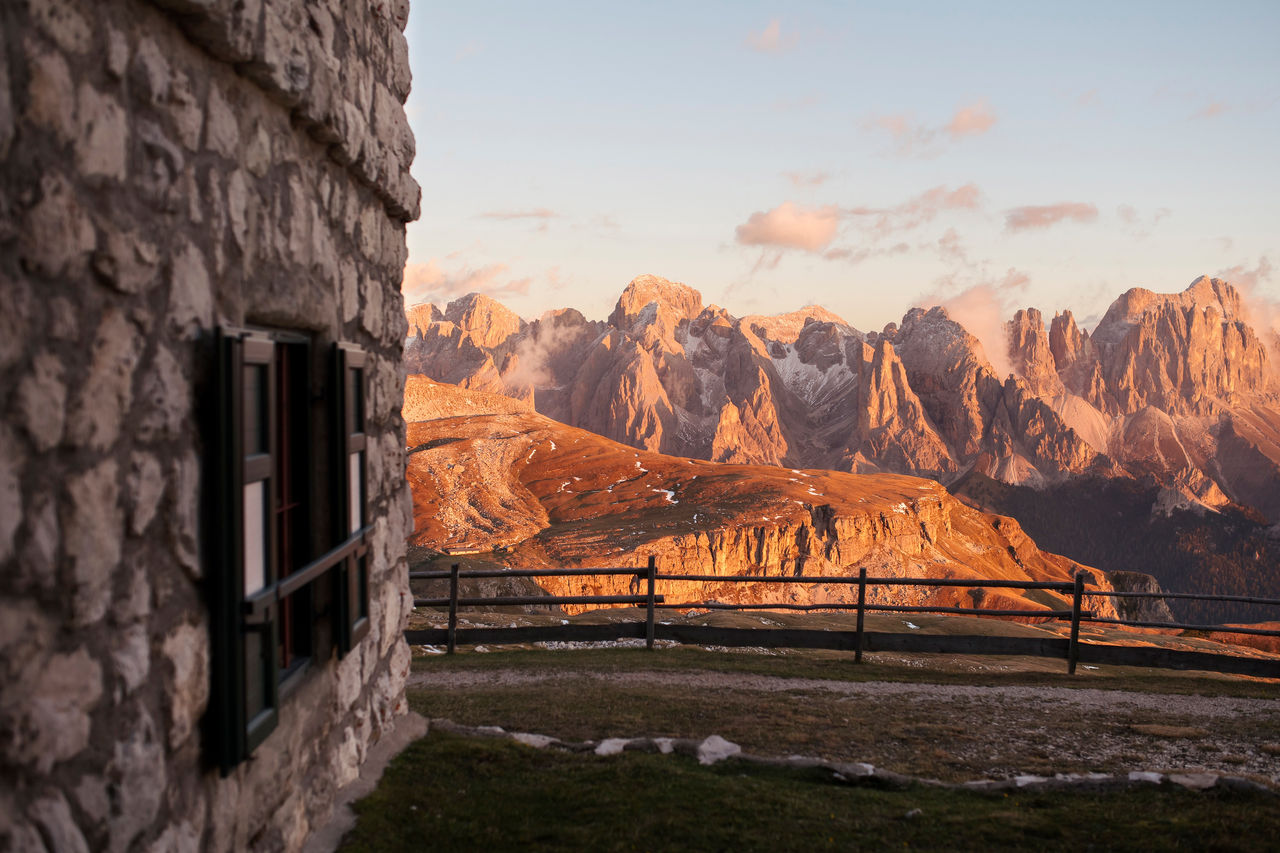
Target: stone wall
column 168, row 167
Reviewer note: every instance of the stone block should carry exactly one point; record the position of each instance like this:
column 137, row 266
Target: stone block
column 62, row 22
column 150, row 73
column 190, row 297
column 222, row 129
column 64, row 319
column 45, row 716
column 101, row 403
column 186, row 650
column 56, row 212
column 145, row 486
column 184, row 513
column 92, row 522
column 128, row 262
column 183, row 107
column 160, row 164
column 137, row 779
column 16, row 319
column 117, row 60
column 102, row 143
column 164, row 409
column 131, row 656
column 37, row 566
column 40, row 401
column 52, row 815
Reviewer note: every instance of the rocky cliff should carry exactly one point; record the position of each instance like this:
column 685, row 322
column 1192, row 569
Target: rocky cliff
column 536, row 492
column 1170, row 386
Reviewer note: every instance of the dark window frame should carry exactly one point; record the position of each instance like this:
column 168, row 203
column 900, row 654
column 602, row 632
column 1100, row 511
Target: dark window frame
column 248, row 680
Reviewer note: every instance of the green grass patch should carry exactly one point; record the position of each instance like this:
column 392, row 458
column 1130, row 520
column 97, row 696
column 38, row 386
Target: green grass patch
column 453, row 793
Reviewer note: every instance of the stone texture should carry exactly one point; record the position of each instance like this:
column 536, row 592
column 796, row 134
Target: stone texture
column 102, row 401
column 103, row 143
column 170, row 166
column 91, row 523
column 53, row 816
column 46, row 714
column 10, row 492
column 187, row 652
column 40, row 402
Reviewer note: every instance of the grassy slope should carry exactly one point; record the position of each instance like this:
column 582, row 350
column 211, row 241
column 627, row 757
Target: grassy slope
column 451, row 793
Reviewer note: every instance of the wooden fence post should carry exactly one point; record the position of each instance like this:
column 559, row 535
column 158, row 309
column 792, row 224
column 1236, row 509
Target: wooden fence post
column 862, row 604
column 648, row 627
column 453, row 607
column 1073, row 645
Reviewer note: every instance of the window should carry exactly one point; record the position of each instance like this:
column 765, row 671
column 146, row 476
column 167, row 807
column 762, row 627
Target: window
column 287, row 524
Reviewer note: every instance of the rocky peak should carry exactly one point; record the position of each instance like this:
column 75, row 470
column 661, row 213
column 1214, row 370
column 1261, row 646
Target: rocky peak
column 1184, row 353
column 672, row 301
column 487, row 321
column 786, row 328
column 1031, row 354
column 421, row 316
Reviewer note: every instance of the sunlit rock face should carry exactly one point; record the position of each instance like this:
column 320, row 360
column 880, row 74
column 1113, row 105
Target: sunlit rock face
column 1173, row 386
column 538, row 493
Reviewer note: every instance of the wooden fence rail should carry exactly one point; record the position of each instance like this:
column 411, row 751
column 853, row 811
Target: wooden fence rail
column 857, row 641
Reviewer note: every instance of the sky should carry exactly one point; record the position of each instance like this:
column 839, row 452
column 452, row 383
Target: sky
column 868, row 157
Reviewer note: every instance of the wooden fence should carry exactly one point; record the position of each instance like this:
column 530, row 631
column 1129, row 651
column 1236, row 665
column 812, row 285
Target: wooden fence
column 857, row 641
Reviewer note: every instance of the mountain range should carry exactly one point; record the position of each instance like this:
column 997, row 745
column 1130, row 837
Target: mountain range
column 1173, row 397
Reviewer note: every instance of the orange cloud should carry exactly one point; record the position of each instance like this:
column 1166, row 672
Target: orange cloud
column 975, row 119
column 771, row 40
column 806, row 179
column 1211, row 110
column 536, row 213
column 428, row 282
column 790, row 226
column 923, row 208
column 1045, row 215
column 913, row 138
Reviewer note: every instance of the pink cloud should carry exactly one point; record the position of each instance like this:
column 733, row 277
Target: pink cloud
column 771, row 40
column 1045, row 215
column 1211, row 110
column 790, row 226
column 920, row 209
column 428, row 282
column 535, row 213
column 807, row 179
column 973, row 120
column 913, row 138
column 1128, row 214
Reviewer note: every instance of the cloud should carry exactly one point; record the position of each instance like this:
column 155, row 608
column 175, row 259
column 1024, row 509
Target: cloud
column 1128, row 214
column 981, row 309
column 972, row 120
column 913, row 138
column 807, row 179
column 918, row 210
column 771, row 40
column 466, row 51
column 1045, row 215
column 1262, row 311
column 428, row 282
column 790, row 226
column 857, row 256
column 1212, row 110
column 535, row 213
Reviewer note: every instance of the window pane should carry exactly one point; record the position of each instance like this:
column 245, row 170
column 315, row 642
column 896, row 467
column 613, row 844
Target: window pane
column 355, row 494
column 254, row 675
column 255, row 409
column 355, row 397
column 255, row 537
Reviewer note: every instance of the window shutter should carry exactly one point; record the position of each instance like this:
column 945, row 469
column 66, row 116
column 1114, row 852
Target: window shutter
column 350, row 465
column 244, row 704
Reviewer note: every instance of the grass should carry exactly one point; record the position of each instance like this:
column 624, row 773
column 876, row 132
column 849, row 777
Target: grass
column 452, row 793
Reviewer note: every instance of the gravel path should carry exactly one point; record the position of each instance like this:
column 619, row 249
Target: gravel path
column 1086, row 699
